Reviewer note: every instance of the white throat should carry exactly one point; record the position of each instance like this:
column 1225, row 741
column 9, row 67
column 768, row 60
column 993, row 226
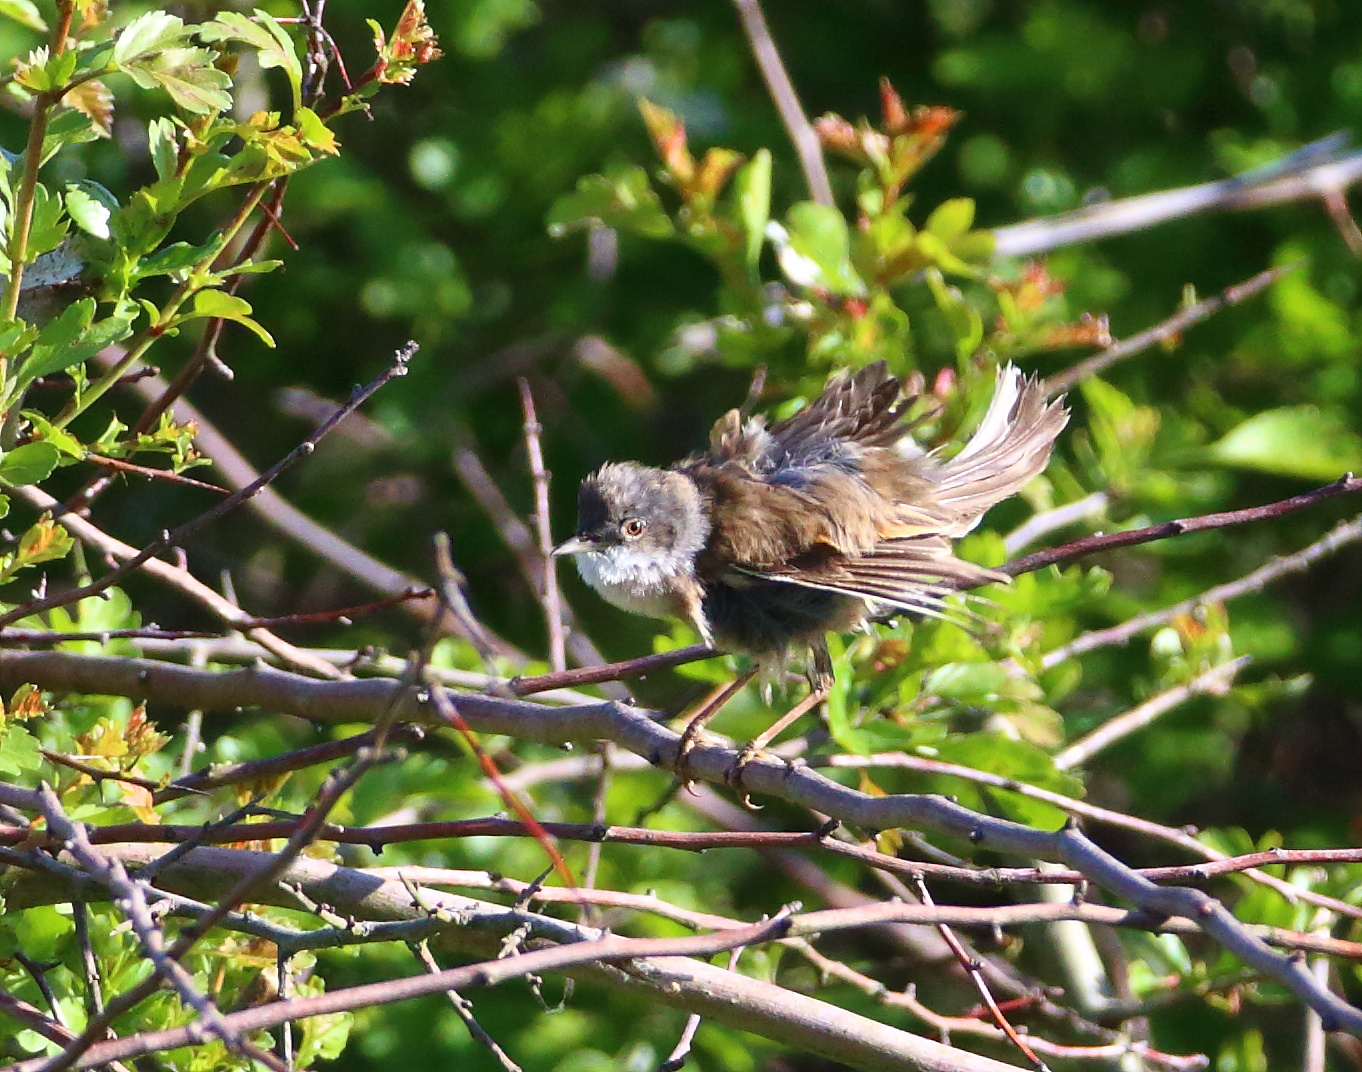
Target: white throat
column 637, row 581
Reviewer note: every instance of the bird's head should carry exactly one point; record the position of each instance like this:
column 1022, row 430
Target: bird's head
column 637, row 525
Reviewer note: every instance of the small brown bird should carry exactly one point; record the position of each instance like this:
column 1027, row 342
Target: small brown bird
column 778, row 535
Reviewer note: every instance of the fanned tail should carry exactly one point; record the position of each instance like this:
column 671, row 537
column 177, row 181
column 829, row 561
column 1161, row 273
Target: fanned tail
column 1011, row 446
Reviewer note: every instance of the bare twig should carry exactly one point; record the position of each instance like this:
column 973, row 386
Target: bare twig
column 153, row 474
column 782, row 90
column 282, row 515
column 594, row 675
column 1316, row 170
column 1215, row 681
column 463, row 1009
column 176, row 537
column 1046, row 522
column 547, row 590
column 299, row 759
column 1171, row 328
column 1341, row 535
column 972, row 969
column 1091, row 545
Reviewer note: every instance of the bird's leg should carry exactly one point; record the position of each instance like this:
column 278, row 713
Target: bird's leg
column 821, row 680
column 711, row 706
column 766, row 736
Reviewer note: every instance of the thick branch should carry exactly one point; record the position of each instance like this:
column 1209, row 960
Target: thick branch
column 634, row 730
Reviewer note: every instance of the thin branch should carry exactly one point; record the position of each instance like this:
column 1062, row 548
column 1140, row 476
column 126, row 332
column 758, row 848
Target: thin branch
column 283, row 516
column 972, row 969
column 177, row 536
column 1091, row 545
column 463, row 1009
column 1215, row 681
column 218, row 775
column 1316, row 170
column 594, row 675
column 782, row 90
column 549, row 596
column 1171, row 328
column 1340, row 536
column 152, row 474
column 1042, row 524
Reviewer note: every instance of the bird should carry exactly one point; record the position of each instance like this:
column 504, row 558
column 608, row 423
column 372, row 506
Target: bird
column 781, row 533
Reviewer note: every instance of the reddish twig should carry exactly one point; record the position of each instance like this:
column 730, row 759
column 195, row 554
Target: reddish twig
column 594, row 675
column 1091, row 545
column 342, row 615
column 971, row 967
column 154, row 474
column 1341, row 535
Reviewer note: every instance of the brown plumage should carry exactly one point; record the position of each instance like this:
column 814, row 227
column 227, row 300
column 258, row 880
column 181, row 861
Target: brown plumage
column 776, row 536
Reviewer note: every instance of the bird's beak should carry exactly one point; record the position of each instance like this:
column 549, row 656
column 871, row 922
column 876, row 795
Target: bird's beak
column 574, row 545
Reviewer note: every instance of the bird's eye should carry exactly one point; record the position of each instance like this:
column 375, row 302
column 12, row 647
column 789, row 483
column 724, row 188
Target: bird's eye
column 633, row 527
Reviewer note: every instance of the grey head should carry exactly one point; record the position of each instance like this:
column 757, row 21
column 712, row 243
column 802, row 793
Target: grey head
column 638, row 532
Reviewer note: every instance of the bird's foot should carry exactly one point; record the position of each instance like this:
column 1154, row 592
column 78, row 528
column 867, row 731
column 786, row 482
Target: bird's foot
column 708, row 709
column 734, row 775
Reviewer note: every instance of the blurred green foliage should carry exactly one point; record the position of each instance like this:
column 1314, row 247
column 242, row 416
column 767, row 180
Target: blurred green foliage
column 513, row 212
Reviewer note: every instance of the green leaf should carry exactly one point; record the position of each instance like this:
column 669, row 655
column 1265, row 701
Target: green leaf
column 177, row 257
column 49, row 224
column 1302, row 441
column 189, row 76
column 153, row 51
column 67, row 128
column 951, row 219
column 273, row 46
column 752, row 191
column 146, row 36
column 623, row 199
column 90, row 206
column 165, row 148
column 60, row 350
column 214, row 303
column 29, row 464
column 24, row 12
column 18, row 750
column 816, row 252
column 17, row 337
column 48, row 432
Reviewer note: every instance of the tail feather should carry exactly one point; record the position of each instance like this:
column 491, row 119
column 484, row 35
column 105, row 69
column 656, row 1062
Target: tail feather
column 1011, row 446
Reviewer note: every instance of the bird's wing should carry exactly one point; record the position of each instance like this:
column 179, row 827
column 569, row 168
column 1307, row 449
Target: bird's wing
column 913, row 574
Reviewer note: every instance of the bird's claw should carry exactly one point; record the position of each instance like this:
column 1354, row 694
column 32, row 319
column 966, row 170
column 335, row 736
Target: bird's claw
column 734, row 775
